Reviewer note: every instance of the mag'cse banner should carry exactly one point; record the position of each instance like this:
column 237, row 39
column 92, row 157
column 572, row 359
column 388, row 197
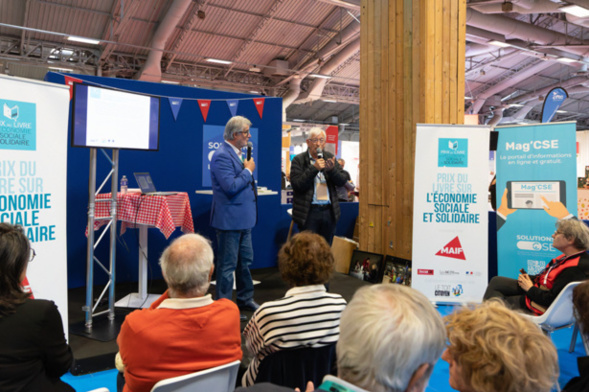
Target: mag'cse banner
column 536, row 186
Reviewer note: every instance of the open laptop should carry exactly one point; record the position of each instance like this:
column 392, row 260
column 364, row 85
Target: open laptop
column 146, row 185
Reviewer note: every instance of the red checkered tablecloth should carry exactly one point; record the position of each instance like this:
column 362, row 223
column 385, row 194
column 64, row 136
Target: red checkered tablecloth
column 163, row 212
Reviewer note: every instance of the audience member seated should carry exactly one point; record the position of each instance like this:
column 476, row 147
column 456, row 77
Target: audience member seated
column 33, row 350
column 581, row 306
column 495, row 349
column 183, row 331
column 307, row 316
column 390, row 340
column 536, row 293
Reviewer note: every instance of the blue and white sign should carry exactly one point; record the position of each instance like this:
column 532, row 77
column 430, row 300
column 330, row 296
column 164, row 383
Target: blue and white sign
column 18, row 125
column 536, row 185
column 212, row 137
column 450, row 218
column 552, row 102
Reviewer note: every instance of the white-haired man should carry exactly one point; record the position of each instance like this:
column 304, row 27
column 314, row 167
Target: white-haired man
column 234, row 213
column 390, row 338
column 314, row 176
column 184, row 331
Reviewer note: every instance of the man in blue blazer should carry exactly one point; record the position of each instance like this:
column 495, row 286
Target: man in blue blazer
column 234, row 213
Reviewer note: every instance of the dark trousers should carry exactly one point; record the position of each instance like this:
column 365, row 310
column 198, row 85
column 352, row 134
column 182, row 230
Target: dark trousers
column 508, row 290
column 320, row 221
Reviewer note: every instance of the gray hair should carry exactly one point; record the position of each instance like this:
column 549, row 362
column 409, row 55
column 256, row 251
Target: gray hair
column 235, row 125
column 316, row 131
column 386, row 333
column 575, row 229
column 186, row 265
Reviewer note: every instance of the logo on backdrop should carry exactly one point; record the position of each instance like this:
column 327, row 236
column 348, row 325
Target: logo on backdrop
column 452, row 152
column 457, row 291
column 442, row 290
column 452, row 249
column 553, row 101
column 18, row 125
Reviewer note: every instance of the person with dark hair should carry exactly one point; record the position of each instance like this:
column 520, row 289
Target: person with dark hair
column 536, row 293
column 307, row 316
column 33, row 351
column 581, row 306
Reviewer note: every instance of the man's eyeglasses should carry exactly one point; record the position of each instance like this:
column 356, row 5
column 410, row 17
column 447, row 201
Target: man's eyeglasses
column 32, row 255
column 315, row 141
column 246, row 132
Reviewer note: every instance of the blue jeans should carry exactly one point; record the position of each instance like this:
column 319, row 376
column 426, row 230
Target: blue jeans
column 234, row 253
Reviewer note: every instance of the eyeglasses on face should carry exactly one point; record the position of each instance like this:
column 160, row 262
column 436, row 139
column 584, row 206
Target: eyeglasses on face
column 247, row 132
column 315, row 141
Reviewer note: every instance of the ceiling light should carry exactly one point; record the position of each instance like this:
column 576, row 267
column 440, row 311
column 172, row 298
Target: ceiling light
column 561, row 111
column 566, row 60
column 320, row 76
column 467, row 97
column 61, row 69
column 499, row 43
column 298, row 120
column 254, row 92
column 344, row 124
column 219, row 61
column 575, row 10
column 170, row 81
column 515, row 105
column 255, row 68
column 329, row 100
column 84, row 40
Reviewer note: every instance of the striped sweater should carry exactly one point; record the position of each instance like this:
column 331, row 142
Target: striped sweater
column 306, row 316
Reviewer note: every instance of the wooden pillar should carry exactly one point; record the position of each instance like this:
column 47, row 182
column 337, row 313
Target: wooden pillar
column 411, row 71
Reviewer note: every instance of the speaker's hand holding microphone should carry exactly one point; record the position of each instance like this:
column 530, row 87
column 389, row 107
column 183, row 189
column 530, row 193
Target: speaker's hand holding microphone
column 249, row 162
column 319, row 162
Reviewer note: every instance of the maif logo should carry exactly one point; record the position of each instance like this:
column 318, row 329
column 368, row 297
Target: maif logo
column 452, row 249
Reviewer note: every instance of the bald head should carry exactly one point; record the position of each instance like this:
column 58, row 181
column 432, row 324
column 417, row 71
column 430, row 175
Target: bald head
column 187, row 265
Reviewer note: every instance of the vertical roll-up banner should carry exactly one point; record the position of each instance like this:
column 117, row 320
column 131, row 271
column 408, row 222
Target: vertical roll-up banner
column 450, row 218
column 33, row 159
column 536, row 186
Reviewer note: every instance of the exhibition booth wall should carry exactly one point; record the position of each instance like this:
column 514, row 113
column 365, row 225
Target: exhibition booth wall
column 178, row 166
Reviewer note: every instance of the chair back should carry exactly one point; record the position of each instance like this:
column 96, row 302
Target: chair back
column 218, row 379
column 294, row 367
column 560, row 313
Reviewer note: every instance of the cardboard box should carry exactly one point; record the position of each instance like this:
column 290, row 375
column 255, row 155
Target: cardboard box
column 342, row 249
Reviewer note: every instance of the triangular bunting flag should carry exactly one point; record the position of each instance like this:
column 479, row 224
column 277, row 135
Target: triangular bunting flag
column 175, row 104
column 70, row 82
column 233, row 103
column 259, row 102
column 204, row 105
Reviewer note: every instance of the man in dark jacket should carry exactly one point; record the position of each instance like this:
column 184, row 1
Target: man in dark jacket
column 314, row 176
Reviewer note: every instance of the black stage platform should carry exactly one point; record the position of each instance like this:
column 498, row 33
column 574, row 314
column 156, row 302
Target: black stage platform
column 95, row 355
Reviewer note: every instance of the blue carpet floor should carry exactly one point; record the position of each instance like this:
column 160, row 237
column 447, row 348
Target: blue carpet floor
column 438, row 381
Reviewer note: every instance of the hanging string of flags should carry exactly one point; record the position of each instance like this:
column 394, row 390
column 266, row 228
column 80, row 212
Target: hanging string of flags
column 175, row 102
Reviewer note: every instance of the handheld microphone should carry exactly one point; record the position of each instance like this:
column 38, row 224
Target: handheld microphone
column 249, row 150
column 319, row 153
